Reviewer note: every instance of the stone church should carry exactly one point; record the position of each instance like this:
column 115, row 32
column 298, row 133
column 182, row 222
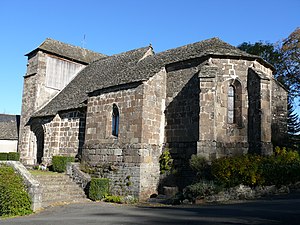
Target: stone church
column 207, row 98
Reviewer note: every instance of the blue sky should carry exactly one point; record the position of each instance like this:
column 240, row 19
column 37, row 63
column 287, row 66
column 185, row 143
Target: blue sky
column 115, row 26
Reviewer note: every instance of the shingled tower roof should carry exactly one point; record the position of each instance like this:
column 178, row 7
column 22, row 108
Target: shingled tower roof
column 68, row 51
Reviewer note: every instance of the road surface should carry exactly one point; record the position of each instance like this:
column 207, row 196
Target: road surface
column 279, row 210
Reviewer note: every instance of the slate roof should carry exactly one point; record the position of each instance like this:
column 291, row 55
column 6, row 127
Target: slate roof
column 9, row 127
column 128, row 67
column 68, row 51
column 101, row 73
column 209, row 47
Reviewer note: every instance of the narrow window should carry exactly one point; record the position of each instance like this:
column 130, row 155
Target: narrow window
column 115, row 121
column 231, row 105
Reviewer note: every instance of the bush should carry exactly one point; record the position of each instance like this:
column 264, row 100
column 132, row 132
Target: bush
column 200, row 165
column 14, row 200
column 59, row 163
column 114, row 199
column 166, row 162
column 3, row 156
column 98, row 189
column 281, row 168
column 13, row 156
column 201, row 189
column 232, row 171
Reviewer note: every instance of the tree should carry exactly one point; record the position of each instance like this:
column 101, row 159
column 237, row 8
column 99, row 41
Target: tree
column 293, row 121
column 269, row 52
column 290, row 66
column 293, row 128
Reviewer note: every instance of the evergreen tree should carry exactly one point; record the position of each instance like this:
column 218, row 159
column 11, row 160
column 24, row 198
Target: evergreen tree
column 293, row 128
column 293, row 121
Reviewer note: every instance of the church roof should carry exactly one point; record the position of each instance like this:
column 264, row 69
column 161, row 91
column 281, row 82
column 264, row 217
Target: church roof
column 209, row 47
column 132, row 67
column 68, row 51
column 101, row 73
column 9, row 126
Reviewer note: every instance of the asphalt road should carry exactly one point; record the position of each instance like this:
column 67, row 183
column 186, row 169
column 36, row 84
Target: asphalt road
column 279, row 210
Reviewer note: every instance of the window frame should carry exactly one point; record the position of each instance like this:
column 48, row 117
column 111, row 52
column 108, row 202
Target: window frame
column 231, row 104
column 115, row 120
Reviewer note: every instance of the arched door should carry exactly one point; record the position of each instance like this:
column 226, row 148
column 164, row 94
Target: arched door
column 39, row 134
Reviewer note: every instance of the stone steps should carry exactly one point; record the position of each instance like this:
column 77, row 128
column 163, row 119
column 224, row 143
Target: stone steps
column 59, row 188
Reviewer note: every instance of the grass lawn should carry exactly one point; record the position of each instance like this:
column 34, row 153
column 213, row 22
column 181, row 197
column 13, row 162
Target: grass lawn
column 43, row 172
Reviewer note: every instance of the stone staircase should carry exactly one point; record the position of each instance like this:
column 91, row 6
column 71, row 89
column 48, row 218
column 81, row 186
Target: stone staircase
column 58, row 189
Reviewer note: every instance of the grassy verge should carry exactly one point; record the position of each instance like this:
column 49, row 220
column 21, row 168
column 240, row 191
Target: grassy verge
column 42, row 172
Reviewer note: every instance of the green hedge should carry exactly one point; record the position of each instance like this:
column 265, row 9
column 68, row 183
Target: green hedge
column 59, row 163
column 11, row 156
column 14, row 200
column 99, row 188
column 3, row 156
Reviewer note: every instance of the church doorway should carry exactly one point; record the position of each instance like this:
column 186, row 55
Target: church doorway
column 39, row 134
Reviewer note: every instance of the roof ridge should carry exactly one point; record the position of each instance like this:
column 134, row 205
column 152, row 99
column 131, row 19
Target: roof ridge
column 68, row 51
column 68, row 44
column 125, row 53
column 214, row 40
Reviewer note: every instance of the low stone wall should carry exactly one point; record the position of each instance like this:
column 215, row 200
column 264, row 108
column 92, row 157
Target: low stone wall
column 78, row 176
column 33, row 186
column 242, row 192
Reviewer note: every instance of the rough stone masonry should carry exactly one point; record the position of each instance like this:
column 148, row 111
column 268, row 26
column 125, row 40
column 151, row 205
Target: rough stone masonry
column 118, row 113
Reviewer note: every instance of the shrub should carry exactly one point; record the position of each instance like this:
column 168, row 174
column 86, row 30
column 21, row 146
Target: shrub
column 284, row 155
column 3, row 156
column 165, row 162
column 98, row 189
column 59, row 163
column 231, row 171
column 200, row 165
column 201, row 189
column 14, row 200
column 13, row 156
column 114, row 199
column 281, row 168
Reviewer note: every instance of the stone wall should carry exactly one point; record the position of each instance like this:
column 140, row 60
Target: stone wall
column 36, row 93
column 129, row 160
column 182, row 106
column 197, row 119
column 279, row 113
column 259, row 116
column 182, row 120
column 64, row 135
column 153, row 127
column 217, row 136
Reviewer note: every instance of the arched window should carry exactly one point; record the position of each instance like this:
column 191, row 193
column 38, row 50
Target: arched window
column 115, row 121
column 231, row 105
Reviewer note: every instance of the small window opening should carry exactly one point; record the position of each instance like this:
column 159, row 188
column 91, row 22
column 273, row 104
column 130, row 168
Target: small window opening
column 231, row 105
column 115, row 121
